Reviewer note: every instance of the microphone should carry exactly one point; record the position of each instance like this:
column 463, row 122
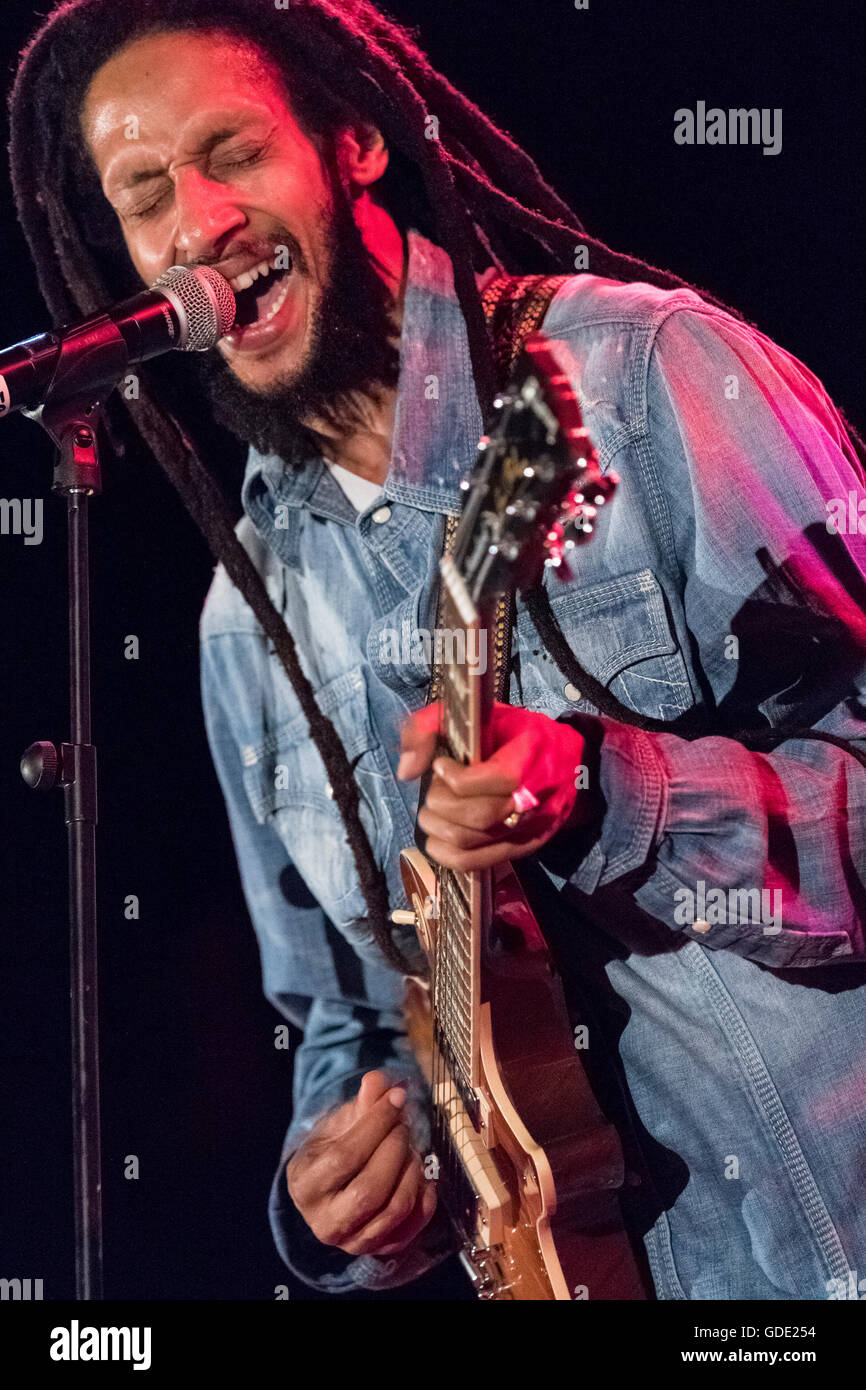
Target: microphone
column 188, row 307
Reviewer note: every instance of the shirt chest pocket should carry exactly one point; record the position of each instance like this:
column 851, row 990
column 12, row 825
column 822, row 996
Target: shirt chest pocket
column 621, row 633
column 288, row 788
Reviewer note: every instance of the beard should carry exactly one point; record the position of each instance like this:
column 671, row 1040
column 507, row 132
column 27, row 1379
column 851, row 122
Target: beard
column 352, row 358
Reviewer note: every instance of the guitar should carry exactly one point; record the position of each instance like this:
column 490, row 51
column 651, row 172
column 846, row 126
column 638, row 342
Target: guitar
column 527, row 1164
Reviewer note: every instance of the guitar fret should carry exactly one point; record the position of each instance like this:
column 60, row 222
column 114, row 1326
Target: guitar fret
column 463, row 883
column 457, row 719
column 458, row 744
column 454, row 973
column 453, row 990
column 457, row 681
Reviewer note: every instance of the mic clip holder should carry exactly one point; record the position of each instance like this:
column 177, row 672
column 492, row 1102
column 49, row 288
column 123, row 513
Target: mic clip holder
column 73, row 424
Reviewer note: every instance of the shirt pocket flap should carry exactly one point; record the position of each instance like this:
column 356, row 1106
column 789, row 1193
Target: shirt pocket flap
column 621, row 633
column 618, row 623
column 285, row 769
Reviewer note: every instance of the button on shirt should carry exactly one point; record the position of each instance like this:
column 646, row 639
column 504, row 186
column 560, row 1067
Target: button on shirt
column 722, row 902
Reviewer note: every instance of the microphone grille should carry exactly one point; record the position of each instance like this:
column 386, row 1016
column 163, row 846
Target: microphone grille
column 207, row 302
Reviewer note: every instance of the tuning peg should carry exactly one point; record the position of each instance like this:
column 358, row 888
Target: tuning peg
column 525, row 509
column 561, row 565
column 554, row 544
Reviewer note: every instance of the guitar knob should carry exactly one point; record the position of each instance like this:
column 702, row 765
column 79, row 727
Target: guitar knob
column 403, row 917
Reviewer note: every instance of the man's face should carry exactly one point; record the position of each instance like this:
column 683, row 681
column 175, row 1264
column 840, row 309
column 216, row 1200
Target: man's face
column 204, row 162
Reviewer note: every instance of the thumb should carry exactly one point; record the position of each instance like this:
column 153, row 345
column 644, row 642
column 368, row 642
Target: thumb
column 418, row 742
column 373, row 1086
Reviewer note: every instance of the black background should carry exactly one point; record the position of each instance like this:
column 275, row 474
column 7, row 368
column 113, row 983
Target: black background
column 192, row 1083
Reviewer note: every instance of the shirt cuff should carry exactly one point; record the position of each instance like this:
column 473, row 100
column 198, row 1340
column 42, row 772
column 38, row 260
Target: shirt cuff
column 330, row 1270
column 633, row 786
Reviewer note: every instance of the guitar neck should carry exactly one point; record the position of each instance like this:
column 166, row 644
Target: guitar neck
column 471, row 662
column 473, row 656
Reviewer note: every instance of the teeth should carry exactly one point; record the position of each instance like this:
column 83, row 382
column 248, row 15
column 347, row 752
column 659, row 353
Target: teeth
column 249, row 277
column 278, row 302
column 242, row 282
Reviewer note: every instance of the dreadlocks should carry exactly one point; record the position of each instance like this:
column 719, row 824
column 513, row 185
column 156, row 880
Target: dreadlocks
column 442, row 185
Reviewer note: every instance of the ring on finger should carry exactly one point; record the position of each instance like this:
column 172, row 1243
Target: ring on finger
column 524, row 800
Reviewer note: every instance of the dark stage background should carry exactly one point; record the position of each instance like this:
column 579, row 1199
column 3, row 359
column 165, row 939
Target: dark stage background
column 192, row 1083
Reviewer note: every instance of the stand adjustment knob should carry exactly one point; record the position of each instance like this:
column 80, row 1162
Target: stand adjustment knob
column 39, row 766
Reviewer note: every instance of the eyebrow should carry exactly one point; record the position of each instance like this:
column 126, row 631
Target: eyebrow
column 216, row 138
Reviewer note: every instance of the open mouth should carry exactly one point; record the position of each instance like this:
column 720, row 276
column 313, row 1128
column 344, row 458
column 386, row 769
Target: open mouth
column 260, row 293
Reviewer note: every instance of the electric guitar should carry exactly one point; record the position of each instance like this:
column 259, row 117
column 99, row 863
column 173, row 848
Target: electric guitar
column 527, row 1164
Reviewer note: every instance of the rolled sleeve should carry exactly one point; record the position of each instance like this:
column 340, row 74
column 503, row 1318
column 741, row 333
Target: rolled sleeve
column 763, row 854
column 634, row 788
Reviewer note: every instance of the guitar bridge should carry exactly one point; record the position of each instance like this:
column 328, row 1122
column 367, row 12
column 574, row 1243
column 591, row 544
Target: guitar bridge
column 486, row 1270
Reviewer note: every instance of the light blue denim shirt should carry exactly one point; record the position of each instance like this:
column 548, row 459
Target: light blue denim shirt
column 730, row 885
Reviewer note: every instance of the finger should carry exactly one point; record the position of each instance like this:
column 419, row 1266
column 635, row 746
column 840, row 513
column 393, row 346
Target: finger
column 337, row 1160
column 373, row 1085
column 418, row 742
column 371, row 1190
column 393, row 1211
column 485, row 856
column 500, row 775
column 425, row 1206
column 387, row 1235
column 452, row 833
column 476, row 813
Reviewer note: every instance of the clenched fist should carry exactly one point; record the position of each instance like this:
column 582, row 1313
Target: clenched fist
column 357, row 1181
column 465, row 813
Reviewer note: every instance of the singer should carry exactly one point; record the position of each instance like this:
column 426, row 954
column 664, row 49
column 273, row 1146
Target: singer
column 685, row 718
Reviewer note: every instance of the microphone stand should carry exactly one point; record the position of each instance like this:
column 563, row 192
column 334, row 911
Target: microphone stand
column 73, row 423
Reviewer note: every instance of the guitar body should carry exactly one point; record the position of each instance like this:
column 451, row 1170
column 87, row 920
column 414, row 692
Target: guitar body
column 545, row 1165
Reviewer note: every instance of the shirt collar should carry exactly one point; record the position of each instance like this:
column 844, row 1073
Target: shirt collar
column 438, row 420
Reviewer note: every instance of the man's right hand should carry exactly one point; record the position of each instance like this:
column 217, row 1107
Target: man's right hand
column 356, row 1180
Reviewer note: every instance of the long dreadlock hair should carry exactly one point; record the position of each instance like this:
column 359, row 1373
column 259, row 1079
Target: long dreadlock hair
column 445, row 187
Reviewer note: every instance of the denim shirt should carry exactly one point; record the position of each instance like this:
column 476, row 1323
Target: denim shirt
column 728, row 886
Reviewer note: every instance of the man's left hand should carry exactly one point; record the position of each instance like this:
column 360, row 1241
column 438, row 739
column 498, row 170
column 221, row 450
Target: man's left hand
column 466, row 808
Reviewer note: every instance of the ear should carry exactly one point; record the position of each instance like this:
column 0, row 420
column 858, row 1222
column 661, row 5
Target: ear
column 362, row 156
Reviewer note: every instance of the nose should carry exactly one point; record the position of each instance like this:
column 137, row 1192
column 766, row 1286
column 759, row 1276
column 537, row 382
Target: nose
column 206, row 213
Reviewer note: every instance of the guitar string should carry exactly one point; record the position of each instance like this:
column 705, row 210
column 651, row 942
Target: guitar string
column 449, row 991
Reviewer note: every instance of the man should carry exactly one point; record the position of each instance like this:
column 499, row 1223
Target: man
column 714, row 892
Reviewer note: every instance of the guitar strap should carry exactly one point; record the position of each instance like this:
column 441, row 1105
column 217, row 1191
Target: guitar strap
column 515, row 306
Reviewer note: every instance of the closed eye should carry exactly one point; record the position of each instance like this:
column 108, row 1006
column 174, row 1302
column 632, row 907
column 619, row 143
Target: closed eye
column 139, row 214
column 240, row 159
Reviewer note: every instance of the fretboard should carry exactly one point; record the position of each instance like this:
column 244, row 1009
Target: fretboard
column 466, row 695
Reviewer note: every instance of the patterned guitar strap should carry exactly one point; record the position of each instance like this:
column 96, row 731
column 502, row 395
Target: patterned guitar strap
column 514, row 306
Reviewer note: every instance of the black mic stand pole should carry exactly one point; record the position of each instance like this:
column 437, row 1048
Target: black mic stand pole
column 73, row 424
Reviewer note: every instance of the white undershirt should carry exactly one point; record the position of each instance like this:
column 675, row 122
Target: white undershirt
column 360, row 491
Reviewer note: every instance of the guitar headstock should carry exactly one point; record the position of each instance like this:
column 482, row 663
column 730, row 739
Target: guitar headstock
column 536, row 487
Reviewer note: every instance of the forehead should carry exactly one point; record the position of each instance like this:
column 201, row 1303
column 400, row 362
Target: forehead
column 167, row 79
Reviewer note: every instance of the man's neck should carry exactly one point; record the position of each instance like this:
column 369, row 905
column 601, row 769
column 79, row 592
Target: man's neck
column 366, row 449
